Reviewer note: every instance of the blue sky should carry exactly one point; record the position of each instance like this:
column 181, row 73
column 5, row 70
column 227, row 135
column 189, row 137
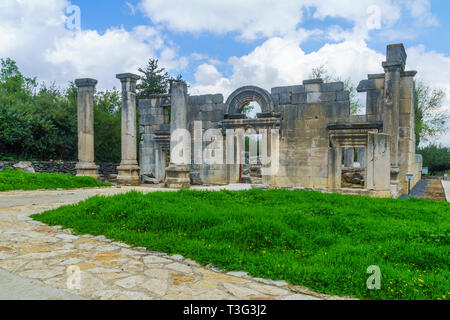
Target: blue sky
column 221, row 45
column 101, row 15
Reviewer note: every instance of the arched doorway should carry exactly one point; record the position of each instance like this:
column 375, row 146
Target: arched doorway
column 242, row 96
column 249, row 109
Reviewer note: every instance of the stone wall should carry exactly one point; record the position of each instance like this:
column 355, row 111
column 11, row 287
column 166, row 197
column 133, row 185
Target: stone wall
column 315, row 129
column 306, row 110
column 155, row 135
column 208, row 110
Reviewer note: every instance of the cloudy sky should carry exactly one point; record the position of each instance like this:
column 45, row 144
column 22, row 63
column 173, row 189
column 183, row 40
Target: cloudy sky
column 220, row 45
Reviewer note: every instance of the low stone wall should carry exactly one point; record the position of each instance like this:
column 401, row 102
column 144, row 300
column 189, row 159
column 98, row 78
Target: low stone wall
column 105, row 169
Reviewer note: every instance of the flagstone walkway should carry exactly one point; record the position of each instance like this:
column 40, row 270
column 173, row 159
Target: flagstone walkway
column 33, row 251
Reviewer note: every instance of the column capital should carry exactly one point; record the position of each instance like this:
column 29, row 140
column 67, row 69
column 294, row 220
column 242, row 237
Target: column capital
column 395, row 57
column 124, row 77
column 85, row 82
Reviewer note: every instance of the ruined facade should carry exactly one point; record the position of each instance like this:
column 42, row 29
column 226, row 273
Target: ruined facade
column 315, row 142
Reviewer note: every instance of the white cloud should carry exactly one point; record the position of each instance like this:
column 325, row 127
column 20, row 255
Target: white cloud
column 434, row 70
column 421, row 11
column 253, row 19
column 34, row 34
column 132, row 8
column 280, row 62
column 206, row 74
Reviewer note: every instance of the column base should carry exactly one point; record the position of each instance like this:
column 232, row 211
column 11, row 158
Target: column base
column 396, row 187
column 87, row 169
column 128, row 174
column 177, row 177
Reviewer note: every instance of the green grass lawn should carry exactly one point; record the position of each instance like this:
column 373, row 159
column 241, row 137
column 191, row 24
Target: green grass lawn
column 18, row 180
column 322, row 241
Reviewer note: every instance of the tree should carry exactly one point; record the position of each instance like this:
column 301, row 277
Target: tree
column 107, row 126
column 41, row 123
column 321, row 72
column 436, row 158
column 154, row 80
column 430, row 119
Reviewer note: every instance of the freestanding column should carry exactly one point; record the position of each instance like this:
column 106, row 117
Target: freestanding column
column 362, row 157
column 86, row 165
column 128, row 169
column 394, row 65
column 177, row 174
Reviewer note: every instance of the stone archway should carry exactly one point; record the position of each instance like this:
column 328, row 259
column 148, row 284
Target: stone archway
column 244, row 95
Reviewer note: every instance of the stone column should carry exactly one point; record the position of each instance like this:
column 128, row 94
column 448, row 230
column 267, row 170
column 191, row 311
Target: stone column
column 362, row 157
column 86, row 165
column 349, row 157
column 128, row 169
column 177, row 174
column 393, row 66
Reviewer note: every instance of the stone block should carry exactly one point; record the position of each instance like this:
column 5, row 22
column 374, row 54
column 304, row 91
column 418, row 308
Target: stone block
column 343, row 96
column 312, row 87
column 406, row 106
column 276, row 90
column 366, row 85
column 338, row 110
column 328, row 96
column 275, row 98
column 332, row 86
column 217, row 98
column 396, row 54
column 193, row 100
column 313, row 97
column 299, row 98
column 298, row 89
column 312, row 81
column 285, row 98
column 405, row 120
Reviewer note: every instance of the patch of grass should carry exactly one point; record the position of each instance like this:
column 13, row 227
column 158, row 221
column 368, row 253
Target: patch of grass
column 18, row 180
column 322, row 241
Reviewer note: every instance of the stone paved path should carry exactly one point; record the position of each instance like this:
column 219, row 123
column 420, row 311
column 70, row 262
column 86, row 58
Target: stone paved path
column 430, row 189
column 112, row 270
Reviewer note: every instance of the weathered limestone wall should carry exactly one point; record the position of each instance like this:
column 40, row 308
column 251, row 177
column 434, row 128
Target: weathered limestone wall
column 306, row 116
column 154, row 128
column 306, row 111
column 209, row 110
column 407, row 137
column 390, row 98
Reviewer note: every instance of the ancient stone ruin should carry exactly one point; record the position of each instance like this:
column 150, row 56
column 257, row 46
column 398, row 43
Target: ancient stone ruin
column 308, row 139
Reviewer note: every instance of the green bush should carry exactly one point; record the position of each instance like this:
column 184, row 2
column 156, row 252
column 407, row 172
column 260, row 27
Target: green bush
column 17, row 180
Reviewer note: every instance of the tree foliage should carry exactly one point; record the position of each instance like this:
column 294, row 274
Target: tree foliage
column 154, row 80
column 40, row 122
column 430, row 119
column 436, row 158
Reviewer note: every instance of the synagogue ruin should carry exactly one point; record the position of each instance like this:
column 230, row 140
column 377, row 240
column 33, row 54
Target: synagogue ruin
column 308, row 138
